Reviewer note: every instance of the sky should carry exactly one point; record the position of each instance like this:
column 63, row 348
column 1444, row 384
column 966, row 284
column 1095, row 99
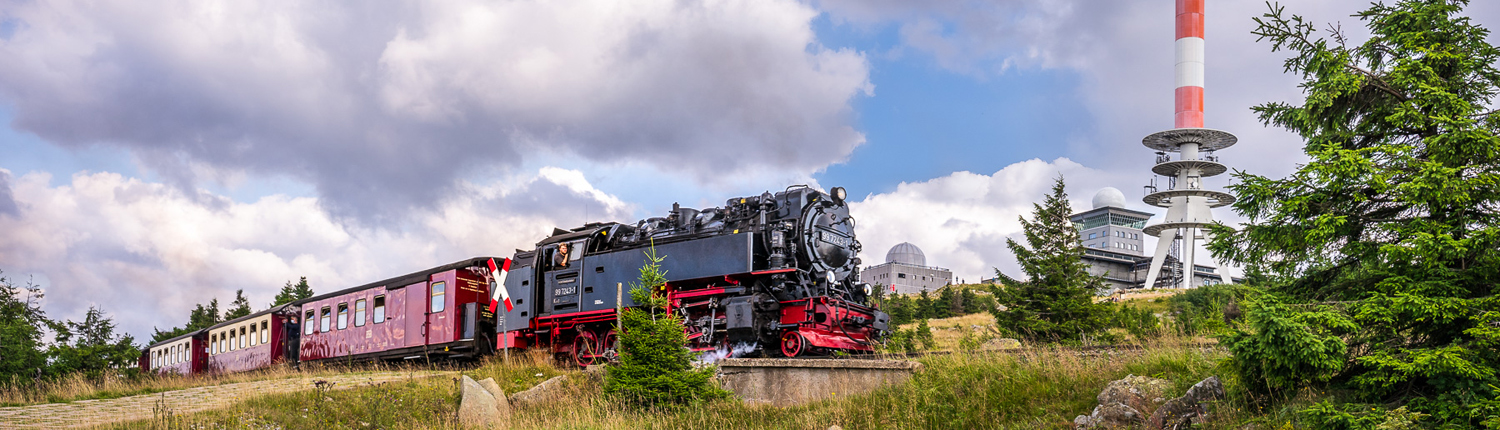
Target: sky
column 162, row 153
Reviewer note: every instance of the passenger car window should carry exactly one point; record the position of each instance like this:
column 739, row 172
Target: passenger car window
column 265, row 331
column 307, row 323
column 359, row 313
column 343, row 315
column 437, row 296
column 379, row 309
column 325, row 319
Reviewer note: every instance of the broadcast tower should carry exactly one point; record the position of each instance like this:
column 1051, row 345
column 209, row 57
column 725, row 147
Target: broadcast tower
column 1188, row 203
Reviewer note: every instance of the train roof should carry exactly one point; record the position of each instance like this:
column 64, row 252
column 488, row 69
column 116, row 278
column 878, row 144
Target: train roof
column 401, row 281
column 560, row 235
column 179, row 337
column 251, row 316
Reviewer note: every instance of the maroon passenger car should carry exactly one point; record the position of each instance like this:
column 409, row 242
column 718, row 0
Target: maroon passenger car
column 438, row 312
column 253, row 341
column 184, row 355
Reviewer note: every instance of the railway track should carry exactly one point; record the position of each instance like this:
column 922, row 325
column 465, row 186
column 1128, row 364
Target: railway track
column 1080, row 350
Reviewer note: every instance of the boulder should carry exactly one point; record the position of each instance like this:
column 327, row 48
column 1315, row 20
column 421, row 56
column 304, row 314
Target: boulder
column 501, row 404
column 1123, row 402
column 540, row 393
column 1142, row 393
column 1182, row 412
column 477, row 407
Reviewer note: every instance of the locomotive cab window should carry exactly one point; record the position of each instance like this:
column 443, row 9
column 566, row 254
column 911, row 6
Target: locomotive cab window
column 343, row 315
column 324, row 319
column 437, row 296
column 307, row 323
column 379, row 309
column 359, row 313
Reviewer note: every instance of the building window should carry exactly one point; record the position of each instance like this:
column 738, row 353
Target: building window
column 1093, row 235
column 307, row 323
column 901, row 275
column 379, row 309
column 359, row 313
column 437, row 296
column 324, row 319
column 343, row 315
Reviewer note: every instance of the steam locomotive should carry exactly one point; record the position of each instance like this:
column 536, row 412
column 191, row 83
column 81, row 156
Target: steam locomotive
column 774, row 274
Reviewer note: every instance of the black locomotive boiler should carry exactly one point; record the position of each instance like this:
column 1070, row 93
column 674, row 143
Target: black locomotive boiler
column 775, row 274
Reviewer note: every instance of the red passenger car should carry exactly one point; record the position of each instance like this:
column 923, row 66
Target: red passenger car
column 184, row 355
column 252, row 342
column 438, row 312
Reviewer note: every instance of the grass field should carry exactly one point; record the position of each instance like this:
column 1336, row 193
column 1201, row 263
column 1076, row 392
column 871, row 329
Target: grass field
column 1038, row 388
column 78, row 387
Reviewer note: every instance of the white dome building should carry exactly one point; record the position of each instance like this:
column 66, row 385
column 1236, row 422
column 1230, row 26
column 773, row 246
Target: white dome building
column 906, row 253
column 906, row 272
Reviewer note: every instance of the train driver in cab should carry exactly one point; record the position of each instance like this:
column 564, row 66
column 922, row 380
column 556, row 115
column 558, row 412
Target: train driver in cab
column 560, row 259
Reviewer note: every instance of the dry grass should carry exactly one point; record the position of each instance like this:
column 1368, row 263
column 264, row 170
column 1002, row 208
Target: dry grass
column 1035, row 388
column 114, row 385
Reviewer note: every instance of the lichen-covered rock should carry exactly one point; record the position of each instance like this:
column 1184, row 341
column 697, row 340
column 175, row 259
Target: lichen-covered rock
column 1182, row 412
column 1142, row 393
column 540, row 393
column 501, row 404
column 476, row 407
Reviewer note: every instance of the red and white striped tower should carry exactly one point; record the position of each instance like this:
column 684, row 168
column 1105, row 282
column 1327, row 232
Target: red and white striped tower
column 1188, row 203
column 1189, row 112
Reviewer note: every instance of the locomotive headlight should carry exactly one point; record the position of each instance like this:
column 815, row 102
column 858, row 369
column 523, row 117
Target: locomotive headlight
column 867, row 289
column 830, row 276
column 839, row 194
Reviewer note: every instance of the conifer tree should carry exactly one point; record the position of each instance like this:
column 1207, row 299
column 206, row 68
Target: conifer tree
column 1056, row 302
column 22, row 351
column 293, row 292
column 656, row 368
column 239, row 307
column 1382, row 248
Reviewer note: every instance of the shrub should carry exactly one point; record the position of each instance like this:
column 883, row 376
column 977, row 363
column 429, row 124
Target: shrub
column 656, row 368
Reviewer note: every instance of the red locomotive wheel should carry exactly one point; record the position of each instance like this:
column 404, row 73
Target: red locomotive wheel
column 611, row 346
column 585, row 349
column 792, row 344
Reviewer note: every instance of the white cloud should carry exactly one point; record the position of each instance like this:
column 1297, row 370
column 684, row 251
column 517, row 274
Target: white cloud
column 146, row 252
column 961, row 220
column 392, row 101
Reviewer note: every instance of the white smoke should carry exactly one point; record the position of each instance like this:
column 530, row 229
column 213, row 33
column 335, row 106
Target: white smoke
column 739, row 349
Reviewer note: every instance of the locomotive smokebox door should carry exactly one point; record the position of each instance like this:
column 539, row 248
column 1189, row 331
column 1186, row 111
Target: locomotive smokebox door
column 740, row 313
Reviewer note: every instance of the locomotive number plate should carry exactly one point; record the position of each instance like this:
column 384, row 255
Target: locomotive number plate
column 565, row 291
column 832, row 239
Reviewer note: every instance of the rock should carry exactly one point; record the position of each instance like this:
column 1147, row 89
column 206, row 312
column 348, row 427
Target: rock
column 1141, row 393
column 477, row 407
column 1182, row 412
column 540, row 393
column 835, row 427
column 501, row 404
column 1122, row 402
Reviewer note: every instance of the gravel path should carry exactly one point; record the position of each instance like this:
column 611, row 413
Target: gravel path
column 94, row 412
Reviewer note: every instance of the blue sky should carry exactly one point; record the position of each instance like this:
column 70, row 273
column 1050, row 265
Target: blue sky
column 161, row 155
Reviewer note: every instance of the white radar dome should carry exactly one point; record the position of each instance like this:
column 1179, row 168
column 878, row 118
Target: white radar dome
column 1109, row 197
column 906, row 253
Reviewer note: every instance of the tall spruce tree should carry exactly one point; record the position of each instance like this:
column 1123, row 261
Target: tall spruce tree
column 293, row 292
column 1382, row 248
column 656, row 368
column 22, row 352
column 91, row 347
column 1056, row 303
column 239, row 307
